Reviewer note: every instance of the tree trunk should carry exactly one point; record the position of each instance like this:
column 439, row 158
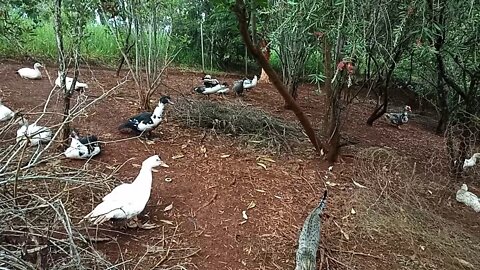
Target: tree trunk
column 442, row 95
column 239, row 9
column 327, row 66
column 266, row 53
column 292, row 88
column 380, row 110
column 126, row 49
column 443, row 105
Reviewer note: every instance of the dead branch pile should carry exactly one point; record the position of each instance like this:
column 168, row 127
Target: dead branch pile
column 254, row 125
column 397, row 204
column 42, row 202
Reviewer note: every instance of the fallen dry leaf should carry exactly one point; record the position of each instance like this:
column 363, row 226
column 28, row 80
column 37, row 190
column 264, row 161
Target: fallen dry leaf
column 154, row 249
column 150, row 142
column 178, row 156
column 465, row 263
column 265, row 158
column 136, row 165
column 251, row 205
column 262, row 165
column 148, row 226
column 166, row 221
column 168, row 207
column 358, row 184
column 242, row 222
column 331, row 184
column 225, row 156
column 203, row 150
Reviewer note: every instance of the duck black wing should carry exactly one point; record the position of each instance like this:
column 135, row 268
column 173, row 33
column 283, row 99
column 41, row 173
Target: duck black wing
column 133, row 122
column 397, row 118
column 90, row 141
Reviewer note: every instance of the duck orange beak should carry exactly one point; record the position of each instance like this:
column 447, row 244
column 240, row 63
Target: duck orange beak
column 163, row 164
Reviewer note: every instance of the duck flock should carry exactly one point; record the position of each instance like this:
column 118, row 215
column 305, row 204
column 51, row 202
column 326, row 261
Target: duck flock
column 127, row 200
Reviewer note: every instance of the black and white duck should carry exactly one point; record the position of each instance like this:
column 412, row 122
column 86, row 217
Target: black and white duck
column 208, row 81
column 127, row 200
column 5, row 112
column 147, row 121
column 398, row 119
column 244, row 84
column 82, row 147
column 31, row 73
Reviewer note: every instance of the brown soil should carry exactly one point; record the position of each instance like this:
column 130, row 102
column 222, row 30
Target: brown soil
column 209, row 191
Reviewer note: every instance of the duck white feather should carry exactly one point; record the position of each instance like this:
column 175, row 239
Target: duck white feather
column 35, row 134
column 69, row 81
column 129, row 199
column 470, row 162
column 5, row 112
column 82, row 148
column 211, row 90
column 468, row 198
column 31, row 73
column 248, row 84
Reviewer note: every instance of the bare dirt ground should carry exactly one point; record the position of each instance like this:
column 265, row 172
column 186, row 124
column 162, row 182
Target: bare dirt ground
column 209, row 190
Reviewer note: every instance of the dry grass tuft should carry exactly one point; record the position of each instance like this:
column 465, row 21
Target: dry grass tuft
column 398, row 214
column 253, row 125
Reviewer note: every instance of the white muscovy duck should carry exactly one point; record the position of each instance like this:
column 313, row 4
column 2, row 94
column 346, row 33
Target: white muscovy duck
column 211, row 90
column 127, row 200
column 82, row 147
column 5, row 112
column 31, row 73
column 470, row 162
column 35, row 134
column 468, row 198
column 147, row 121
column 208, row 81
column 398, row 119
column 249, row 84
column 79, row 86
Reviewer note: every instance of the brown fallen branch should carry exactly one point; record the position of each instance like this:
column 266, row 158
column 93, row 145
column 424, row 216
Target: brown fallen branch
column 207, row 203
column 239, row 9
column 352, row 252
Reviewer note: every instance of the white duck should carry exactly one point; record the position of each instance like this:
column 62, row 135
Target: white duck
column 79, row 86
column 468, row 198
column 211, row 90
column 127, row 200
column 248, row 84
column 35, row 134
column 5, row 112
column 82, row 147
column 31, row 73
column 470, row 162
